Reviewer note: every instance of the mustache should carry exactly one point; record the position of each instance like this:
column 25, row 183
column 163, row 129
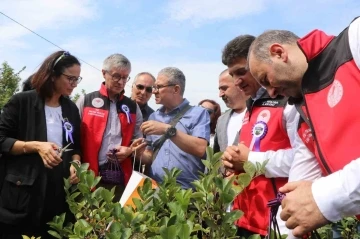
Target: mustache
column 224, row 98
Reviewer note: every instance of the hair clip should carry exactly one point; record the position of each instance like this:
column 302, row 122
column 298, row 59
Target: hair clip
column 65, row 53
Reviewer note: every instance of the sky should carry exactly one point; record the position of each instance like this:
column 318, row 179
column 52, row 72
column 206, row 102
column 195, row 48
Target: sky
column 187, row 34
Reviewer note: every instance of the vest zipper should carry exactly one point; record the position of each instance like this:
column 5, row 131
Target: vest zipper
column 323, row 161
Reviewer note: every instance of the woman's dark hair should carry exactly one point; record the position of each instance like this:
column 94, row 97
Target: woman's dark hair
column 26, row 85
column 217, row 113
column 53, row 66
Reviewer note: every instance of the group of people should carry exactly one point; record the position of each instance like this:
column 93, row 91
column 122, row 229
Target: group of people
column 287, row 98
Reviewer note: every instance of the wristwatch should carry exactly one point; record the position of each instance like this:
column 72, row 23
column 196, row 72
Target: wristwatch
column 170, row 132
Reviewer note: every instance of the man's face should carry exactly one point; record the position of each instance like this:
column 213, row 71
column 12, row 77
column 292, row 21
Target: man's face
column 242, row 78
column 142, row 89
column 277, row 76
column 164, row 95
column 230, row 93
column 115, row 79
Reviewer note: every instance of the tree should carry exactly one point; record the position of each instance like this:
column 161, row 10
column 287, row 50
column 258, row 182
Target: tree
column 77, row 95
column 9, row 83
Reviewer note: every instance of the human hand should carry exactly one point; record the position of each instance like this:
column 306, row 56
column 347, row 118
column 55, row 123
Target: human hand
column 153, row 127
column 121, row 153
column 48, row 154
column 299, row 208
column 138, row 146
column 73, row 177
column 235, row 156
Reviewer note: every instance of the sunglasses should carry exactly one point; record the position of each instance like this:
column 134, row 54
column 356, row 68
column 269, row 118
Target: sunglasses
column 141, row 87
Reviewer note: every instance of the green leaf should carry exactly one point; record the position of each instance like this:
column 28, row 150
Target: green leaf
column 244, row 180
column 168, row 232
column 257, row 236
column 249, row 168
column 184, row 231
column 54, row 234
column 232, row 216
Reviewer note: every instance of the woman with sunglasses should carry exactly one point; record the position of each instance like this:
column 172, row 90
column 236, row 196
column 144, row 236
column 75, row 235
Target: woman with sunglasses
column 34, row 126
column 214, row 111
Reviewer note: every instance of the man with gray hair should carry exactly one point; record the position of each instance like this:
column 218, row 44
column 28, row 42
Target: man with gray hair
column 142, row 91
column 175, row 143
column 110, row 121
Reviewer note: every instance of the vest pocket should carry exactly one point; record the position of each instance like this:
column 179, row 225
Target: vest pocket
column 15, row 194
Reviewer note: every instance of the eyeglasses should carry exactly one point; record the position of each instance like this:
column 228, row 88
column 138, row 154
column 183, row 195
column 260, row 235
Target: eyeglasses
column 116, row 77
column 158, row 87
column 148, row 89
column 73, row 79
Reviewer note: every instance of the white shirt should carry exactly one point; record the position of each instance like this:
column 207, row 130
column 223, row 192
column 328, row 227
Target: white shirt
column 338, row 194
column 234, row 125
column 54, row 124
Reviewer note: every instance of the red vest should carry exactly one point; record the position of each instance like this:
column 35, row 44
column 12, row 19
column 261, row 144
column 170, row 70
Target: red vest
column 253, row 200
column 330, row 86
column 93, row 125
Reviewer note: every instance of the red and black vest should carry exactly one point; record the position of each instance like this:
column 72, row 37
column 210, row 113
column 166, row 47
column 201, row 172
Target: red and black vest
column 95, row 116
column 262, row 130
column 330, row 86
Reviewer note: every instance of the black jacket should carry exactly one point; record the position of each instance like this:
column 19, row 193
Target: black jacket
column 24, row 180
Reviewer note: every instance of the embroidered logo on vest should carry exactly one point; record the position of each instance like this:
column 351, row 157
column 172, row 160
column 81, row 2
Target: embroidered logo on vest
column 97, row 102
column 335, row 93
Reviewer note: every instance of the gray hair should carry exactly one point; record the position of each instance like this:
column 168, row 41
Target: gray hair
column 116, row 61
column 175, row 76
column 144, row 73
column 260, row 47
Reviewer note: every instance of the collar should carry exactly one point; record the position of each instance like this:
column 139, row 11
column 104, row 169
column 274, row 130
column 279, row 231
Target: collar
column 259, row 94
column 177, row 108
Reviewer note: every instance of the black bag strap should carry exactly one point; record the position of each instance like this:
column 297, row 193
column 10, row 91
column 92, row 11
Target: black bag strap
column 158, row 143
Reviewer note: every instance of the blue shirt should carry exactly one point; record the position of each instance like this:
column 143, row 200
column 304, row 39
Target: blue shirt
column 195, row 122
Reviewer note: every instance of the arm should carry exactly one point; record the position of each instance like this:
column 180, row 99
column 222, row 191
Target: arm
column 279, row 162
column 9, row 125
column 190, row 144
column 76, row 134
column 343, row 197
column 147, row 156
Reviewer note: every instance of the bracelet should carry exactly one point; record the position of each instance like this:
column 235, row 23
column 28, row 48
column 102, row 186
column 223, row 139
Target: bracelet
column 24, row 150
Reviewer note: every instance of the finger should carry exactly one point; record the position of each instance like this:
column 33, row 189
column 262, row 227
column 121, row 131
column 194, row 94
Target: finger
column 46, row 164
column 228, row 165
column 299, row 231
column 53, row 160
column 291, row 223
column 54, row 146
column 289, row 187
column 53, row 155
column 284, row 215
column 226, row 156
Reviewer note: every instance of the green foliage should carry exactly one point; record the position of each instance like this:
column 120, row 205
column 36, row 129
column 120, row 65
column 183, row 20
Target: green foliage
column 166, row 212
column 9, row 82
column 77, row 95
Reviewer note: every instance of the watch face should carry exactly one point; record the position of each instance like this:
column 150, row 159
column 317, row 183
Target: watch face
column 172, row 131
